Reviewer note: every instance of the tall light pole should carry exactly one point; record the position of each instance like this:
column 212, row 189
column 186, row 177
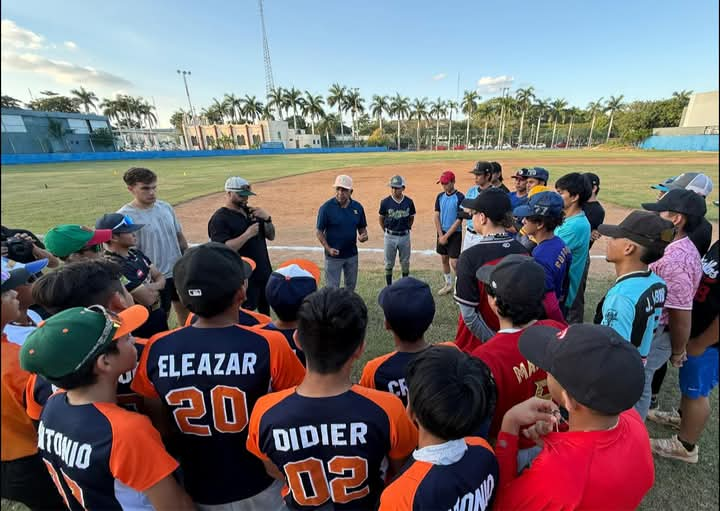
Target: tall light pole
column 184, row 75
column 502, row 117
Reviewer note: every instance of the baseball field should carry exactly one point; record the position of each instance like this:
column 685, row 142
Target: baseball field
column 292, row 188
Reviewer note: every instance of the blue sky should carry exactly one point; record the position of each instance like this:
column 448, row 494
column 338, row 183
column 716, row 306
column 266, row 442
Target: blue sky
column 577, row 50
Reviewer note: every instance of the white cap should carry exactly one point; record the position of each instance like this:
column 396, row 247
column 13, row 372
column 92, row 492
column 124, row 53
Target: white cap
column 693, row 181
column 236, row 184
column 343, row 182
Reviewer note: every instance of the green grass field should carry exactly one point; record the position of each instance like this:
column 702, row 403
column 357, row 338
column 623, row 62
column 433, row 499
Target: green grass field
column 81, row 192
column 36, row 197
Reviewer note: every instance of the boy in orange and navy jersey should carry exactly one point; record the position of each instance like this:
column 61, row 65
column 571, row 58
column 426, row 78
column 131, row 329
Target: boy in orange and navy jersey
column 450, row 397
column 209, row 377
column 96, row 452
column 328, row 439
column 409, row 311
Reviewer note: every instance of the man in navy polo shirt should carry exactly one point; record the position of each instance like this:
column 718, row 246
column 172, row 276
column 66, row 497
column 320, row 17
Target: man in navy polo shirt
column 341, row 224
column 397, row 214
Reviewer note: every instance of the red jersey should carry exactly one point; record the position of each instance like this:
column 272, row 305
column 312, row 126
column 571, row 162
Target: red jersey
column 610, row 469
column 331, row 448
column 516, row 379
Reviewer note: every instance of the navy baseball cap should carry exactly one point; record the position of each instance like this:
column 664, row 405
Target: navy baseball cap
column 541, row 204
column 16, row 274
column 482, row 167
column 408, row 300
column 680, row 201
column 517, row 279
column 538, row 173
column 287, row 287
column 593, row 363
column 493, row 202
column 117, row 223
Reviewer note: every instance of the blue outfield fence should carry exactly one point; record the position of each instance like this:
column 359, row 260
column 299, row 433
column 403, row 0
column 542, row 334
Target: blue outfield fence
column 23, row 159
column 681, row 143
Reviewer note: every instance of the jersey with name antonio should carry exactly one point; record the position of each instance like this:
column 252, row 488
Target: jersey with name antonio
column 469, row 291
column 38, row 390
column 210, row 379
column 469, row 484
column 396, row 215
column 331, row 449
column 387, row 373
column 101, row 456
column 516, row 378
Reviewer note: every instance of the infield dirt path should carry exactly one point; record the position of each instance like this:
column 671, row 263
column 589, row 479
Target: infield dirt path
column 293, row 203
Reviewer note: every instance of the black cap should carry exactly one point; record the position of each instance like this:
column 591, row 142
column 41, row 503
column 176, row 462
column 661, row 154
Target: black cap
column 517, row 279
column 408, row 300
column 117, row 223
column 593, row 363
column 208, row 272
column 493, row 202
column 686, row 202
column 642, row 227
column 593, row 178
column 482, row 167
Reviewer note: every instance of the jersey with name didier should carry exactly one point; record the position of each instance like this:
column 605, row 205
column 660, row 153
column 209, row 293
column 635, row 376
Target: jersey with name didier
column 331, row 449
column 211, row 378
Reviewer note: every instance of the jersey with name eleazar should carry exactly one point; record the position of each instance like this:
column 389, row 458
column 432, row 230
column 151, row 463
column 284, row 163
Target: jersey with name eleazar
column 469, row 483
column 211, row 378
column 101, row 456
column 331, row 449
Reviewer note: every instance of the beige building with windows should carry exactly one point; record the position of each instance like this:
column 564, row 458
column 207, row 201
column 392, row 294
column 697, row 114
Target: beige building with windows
column 247, row 136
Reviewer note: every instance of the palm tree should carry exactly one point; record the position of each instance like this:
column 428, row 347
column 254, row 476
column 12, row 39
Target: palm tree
column 572, row 112
column 266, row 113
column 354, row 103
column 234, row 106
column 145, row 110
column 557, row 109
column 451, row 107
column 313, row 108
column 293, row 99
column 469, row 105
column 329, row 124
column 251, row 107
column 400, row 108
column 10, row 102
column 541, row 106
column 337, row 97
column 222, row 108
column 683, row 96
column 379, row 106
column 85, row 97
column 593, row 108
column 418, row 111
column 613, row 105
column 524, row 98
column 507, row 103
column 437, row 109
column 276, row 100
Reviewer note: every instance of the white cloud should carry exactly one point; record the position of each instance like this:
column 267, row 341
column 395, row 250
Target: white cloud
column 18, row 37
column 61, row 71
column 70, row 45
column 439, row 76
column 493, row 84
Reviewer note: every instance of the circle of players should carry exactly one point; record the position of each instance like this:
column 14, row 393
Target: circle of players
column 238, row 411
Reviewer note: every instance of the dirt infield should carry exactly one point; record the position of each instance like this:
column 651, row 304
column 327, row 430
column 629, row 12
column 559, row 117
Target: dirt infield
column 293, row 203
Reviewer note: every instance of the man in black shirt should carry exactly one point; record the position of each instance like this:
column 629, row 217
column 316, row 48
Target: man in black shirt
column 245, row 230
column 140, row 277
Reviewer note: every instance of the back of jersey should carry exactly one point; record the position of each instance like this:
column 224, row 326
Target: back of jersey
column 210, row 378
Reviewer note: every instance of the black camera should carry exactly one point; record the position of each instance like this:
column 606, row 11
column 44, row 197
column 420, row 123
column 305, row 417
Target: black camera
column 464, row 215
column 19, row 250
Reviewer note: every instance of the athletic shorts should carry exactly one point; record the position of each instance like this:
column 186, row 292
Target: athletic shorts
column 453, row 246
column 699, row 375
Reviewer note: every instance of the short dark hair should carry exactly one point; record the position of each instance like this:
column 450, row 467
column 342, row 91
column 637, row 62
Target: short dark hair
column 410, row 331
column 649, row 255
column 135, row 175
column 85, row 375
column 79, row 284
column 519, row 314
column 549, row 223
column 287, row 312
column 451, row 393
column 575, row 184
column 592, row 179
column 331, row 327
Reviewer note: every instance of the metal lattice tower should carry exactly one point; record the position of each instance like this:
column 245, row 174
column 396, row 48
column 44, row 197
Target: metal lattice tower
column 269, row 83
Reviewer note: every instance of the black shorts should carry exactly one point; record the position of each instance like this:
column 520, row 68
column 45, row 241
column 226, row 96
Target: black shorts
column 453, row 246
column 168, row 295
column 27, row 480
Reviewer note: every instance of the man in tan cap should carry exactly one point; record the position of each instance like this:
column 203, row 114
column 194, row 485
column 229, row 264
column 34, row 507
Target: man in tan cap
column 341, row 224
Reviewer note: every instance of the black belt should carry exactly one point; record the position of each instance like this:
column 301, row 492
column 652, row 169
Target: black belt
column 396, row 233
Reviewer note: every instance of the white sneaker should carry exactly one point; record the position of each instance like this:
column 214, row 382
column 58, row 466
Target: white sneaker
column 674, row 449
column 671, row 418
column 445, row 290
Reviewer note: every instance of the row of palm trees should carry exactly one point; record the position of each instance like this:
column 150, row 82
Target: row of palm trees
column 127, row 111
column 523, row 106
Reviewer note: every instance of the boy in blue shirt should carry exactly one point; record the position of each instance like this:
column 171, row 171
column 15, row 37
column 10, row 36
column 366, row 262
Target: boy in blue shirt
column 448, row 227
column 633, row 305
column 482, row 173
column 575, row 232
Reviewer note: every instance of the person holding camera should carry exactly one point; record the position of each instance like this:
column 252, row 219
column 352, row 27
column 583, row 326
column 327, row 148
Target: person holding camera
column 245, row 229
column 22, row 246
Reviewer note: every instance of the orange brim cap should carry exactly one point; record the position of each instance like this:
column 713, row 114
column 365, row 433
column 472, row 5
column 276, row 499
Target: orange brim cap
column 306, row 265
column 131, row 319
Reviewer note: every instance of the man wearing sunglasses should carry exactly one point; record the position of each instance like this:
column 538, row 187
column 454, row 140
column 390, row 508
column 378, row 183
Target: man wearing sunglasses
column 142, row 279
column 245, row 229
column 73, row 243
